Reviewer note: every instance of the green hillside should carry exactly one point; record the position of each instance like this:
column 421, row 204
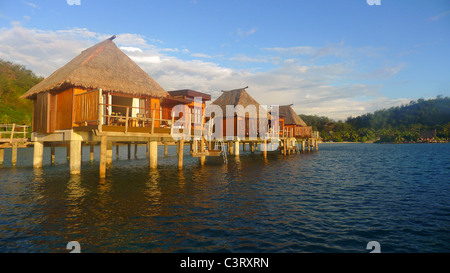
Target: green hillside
column 14, row 81
column 397, row 124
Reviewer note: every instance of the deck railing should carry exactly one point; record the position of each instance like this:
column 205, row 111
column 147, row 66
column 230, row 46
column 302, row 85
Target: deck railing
column 13, row 131
column 144, row 117
column 90, row 109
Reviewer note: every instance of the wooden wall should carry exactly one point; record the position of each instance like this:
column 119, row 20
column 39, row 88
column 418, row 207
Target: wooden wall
column 41, row 113
column 85, row 107
column 64, row 109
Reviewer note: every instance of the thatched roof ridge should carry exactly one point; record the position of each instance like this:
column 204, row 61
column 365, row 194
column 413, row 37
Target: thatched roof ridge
column 290, row 117
column 103, row 66
column 235, row 97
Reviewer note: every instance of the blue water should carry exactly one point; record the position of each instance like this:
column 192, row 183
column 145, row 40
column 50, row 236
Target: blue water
column 334, row 200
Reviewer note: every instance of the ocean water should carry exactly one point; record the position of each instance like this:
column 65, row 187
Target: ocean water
column 335, row 200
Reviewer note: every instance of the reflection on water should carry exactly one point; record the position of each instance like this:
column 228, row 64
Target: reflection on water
column 335, row 200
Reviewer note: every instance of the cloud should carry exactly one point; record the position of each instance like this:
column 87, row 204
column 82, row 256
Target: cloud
column 381, row 73
column 131, row 49
column 322, row 89
column 440, row 16
column 201, row 55
column 32, row 5
column 339, row 50
column 293, row 51
column 244, row 33
column 244, row 58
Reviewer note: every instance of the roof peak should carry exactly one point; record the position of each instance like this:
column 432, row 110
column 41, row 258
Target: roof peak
column 237, row 89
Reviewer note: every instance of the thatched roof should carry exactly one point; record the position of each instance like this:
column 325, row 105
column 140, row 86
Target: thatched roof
column 236, row 97
column 190, row 93
column 103, row 66
column 290, row 117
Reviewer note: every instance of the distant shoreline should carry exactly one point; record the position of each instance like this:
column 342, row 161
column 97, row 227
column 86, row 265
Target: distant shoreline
column 350, row 142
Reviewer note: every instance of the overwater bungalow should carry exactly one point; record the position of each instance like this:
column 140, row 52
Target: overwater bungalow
column 293, row 125
column 248, row 119
column 102, row 93
column 102, row 89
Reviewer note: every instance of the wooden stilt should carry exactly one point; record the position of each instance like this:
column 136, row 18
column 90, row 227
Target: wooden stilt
column 75, row 156
column 91, row 153
column 165, row 148
column 202, row 150
column 38, row 154
column 194, row 146
column 103, row 147
column 129, row 151
column 265, row 149
column 68, row 152
column 180, row 153
column 252, row 147
column 109, row 153
column 230, row 144
column 236, row 148
column 14, row 153
column 2, row 155
column 135, row 150
column 53, row 153
column 153, row 158
column 243, row 146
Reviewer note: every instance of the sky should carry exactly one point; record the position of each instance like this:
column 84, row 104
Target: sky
column 334, row 58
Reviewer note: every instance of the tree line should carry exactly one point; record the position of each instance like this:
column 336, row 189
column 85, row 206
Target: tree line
column 15, row 80
column 399, row 124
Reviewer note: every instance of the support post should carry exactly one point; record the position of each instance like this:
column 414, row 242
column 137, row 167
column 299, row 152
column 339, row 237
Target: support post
column 194, row 146
column 317, row 145
column 236, row 148
column 38, row 154
column 109, row 153
column 135, row 150
column 14, row 153
column 252, row 147
column 202, row 150
column 265, row 149
column 165, row 148
column 91, row 153
column 180, row 153
column 103, row 147
column 129, row 150
column 75, row 156
column 153, row 154
column 126, row 120
column 117, row 150
column 68, row 152
column 2, row 155
column 53, row 153
column 303, row 146
column 230, row 145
